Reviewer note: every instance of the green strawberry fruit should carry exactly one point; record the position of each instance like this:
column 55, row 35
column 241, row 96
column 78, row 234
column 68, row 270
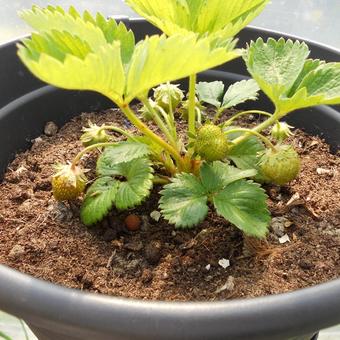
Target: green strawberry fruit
column 68, row 183
column 280, row 166
column 168, row 94
column 211, row 143
column 93, row 135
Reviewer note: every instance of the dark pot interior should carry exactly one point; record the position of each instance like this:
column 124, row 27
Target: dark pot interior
column 58, row 313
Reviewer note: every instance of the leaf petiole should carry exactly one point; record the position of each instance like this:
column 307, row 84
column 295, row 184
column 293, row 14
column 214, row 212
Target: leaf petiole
column 192, row 105
column 229, row 121
column 252, row 132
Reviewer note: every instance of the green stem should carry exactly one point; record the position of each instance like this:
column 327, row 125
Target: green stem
column 116, row 129
column 192, row 105
column 264, row 125
column 88, row 149
column 160, row 180
column 159, row 122
column 257, row 134
column 147, row 132
column 229, row 121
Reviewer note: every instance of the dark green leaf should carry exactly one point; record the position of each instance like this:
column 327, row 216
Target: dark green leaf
column 99, row 200
column 184, row 201
column 243, row 203
column 123, row 152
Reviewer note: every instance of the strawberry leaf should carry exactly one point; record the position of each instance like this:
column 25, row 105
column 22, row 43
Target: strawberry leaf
column 240, row 92
column 199, row 16
column 99, row 200
column 275, row 65
column 210, row 93
column 289, row 79
column 184, row 201
column 246, row 154
column 218, row 175
column 138, row 176
column 243, row 203
column 123, row 152
column 86, row 53
column 134, row 177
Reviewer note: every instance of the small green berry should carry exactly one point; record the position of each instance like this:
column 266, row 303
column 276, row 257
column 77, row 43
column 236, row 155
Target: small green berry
column 281, row 131
column 93, row 135
column 280, row 166
column 211, row 143
column 167, row 94
column 68, row 183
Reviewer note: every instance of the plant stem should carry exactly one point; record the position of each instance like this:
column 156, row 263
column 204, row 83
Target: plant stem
column 257, row 134
column 159, row 122
column 160, row 180
column 192, row 105
column 264, row 125
column 116, row 129
column 147, row 132
column 88, row 149
column 229, row 121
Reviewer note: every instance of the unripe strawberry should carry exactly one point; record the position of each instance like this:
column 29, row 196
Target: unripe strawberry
column 168, row 93
column 281, row 131
column 211, row 143
column 93, row 135
column 280, row 166
column 68, row 183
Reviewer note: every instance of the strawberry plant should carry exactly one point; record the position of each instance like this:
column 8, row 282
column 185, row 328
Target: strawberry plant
column 216, row 165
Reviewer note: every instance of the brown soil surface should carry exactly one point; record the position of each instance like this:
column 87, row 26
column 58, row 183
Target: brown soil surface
column 45, row 239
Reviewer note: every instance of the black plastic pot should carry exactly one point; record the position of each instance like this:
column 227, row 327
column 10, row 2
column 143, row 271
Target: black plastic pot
column 55, row 312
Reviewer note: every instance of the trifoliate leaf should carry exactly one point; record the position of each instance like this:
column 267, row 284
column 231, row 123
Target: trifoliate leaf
column 99, row 200
column 199, row 16
column 211, row 92
column 123, row 152
column 275, row 65
column 107, row 63
column 243, row 203
column 184, row 201
column 240, row 92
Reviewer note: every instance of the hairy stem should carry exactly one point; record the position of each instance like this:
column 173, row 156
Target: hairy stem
column 165, row 129
column 147, row 132
column 192, row 105
column 161, row 180
column 264, row 125
column 251, row 132
column 88, row 149
column 229, row 121
column 116, row 129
